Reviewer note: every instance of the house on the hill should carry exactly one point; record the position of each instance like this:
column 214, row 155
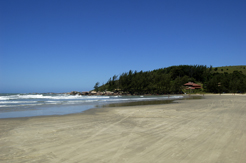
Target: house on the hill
column 191, row 85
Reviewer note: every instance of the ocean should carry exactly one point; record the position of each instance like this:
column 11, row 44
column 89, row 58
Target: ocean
column 29, row 105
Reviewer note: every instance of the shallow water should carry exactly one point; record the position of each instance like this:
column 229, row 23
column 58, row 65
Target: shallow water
column 151, row 102
column 28, row 105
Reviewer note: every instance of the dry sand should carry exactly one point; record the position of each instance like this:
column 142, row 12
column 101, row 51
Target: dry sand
column 210, row 130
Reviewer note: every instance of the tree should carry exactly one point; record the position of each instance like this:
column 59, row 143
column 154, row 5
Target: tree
column 172, row 79
column 96, row 87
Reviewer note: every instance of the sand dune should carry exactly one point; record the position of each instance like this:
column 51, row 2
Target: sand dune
column 188, row 131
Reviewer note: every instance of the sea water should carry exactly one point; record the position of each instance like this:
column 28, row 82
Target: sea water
column 27, row 105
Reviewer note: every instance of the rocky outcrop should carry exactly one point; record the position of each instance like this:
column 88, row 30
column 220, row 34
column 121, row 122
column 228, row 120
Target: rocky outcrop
column 85, row 93
column 91, row 93
column 74, row 93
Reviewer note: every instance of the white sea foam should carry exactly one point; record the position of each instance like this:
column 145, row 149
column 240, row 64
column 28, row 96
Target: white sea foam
column 48, row 102
column 176, row 96
column 16, row 102
column 9, row 106
column 19, row 100
column 4, row 106
column 40, row 96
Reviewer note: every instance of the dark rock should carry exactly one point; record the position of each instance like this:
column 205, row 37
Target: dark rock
column 85, row 93
column 73, row 93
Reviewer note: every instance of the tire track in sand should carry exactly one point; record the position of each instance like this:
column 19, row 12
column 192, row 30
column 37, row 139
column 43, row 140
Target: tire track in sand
column 115, row 157
column 68, row 153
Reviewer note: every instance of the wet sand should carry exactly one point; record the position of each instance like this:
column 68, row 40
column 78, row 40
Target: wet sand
column 206, row 130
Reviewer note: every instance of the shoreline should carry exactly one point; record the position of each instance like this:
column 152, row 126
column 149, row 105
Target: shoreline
column 60, row 109
column 211, row 129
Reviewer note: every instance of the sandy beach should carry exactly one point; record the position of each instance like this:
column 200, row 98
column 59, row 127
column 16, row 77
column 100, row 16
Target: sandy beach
column 209, row 130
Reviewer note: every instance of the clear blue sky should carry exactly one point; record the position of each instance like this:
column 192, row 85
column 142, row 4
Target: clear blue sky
column 61, row 45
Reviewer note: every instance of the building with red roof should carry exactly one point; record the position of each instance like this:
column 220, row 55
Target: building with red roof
column 191, row 85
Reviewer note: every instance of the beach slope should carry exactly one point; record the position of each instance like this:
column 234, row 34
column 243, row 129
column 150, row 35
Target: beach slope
column 206, row 130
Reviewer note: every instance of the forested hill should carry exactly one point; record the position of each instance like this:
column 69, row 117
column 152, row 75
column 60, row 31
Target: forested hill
column 170, row 80
column 230, row 69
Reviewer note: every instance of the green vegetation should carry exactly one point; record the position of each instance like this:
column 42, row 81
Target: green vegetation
column 96, row 87
column 170, row 80
column 230, row 69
